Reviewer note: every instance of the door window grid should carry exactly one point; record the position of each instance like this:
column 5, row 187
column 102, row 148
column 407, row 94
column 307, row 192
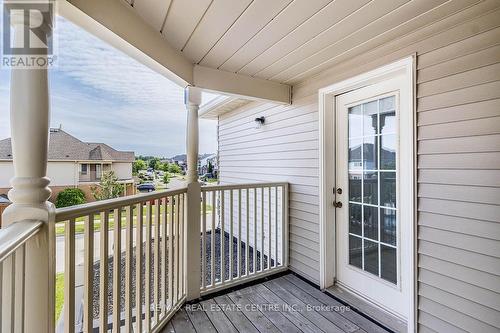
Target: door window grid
column 359, row 168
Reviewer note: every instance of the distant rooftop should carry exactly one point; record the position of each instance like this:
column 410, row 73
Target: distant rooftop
column 63, row 146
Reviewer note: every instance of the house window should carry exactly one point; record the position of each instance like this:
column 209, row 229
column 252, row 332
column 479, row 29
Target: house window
column 98, row 171
column 83, row 169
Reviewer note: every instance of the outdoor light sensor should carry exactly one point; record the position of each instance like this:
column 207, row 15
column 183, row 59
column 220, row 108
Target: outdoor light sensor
column 259, row 122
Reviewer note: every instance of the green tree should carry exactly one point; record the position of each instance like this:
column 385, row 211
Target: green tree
column 166, row 166
column 154, row 163
column 70, row 197
column 108, row 187
column 138, row 165
column 166, row 178
column 174, row 168
column 210, row 167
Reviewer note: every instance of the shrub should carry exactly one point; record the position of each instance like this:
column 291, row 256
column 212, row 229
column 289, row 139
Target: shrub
column 70, row 197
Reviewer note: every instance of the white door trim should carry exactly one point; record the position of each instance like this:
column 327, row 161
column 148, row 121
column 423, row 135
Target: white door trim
column 327, row 163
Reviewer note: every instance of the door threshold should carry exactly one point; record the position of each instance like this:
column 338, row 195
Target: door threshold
column 373, row 312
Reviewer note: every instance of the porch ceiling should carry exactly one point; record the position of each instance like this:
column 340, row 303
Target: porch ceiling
column 283, row 41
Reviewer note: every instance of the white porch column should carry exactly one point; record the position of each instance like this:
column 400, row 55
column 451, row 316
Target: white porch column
column 192, row 99
column 29, row 116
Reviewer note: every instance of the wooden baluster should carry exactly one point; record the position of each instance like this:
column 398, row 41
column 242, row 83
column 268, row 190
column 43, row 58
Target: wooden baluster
column 247, row 255
column 69, row 276
column 231, row 233
column 147, row 275
column 138, row 267
column 117, row 253
column 129, row 244
column 103, row 272
column 212, row 243
column 238, row 274
column 262, row 229
column 269, row 236
column 276, row 226
column 88, row 312
column 156, row 278
column 203, row 236
column 176, row 251
column 254, row 230
column 164, row 252
column 171, row 253
column 222, row 241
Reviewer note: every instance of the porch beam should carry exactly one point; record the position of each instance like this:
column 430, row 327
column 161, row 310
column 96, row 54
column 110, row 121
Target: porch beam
column 192, row 99
column 241, row 85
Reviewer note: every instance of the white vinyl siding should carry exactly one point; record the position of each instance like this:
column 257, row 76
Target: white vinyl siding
column 458, row 147
column 284, row 149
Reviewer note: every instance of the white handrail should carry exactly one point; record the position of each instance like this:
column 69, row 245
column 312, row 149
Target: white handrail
column 15, row 235
column 66, row 213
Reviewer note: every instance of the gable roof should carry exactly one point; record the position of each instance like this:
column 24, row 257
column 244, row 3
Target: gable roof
column 65, row 147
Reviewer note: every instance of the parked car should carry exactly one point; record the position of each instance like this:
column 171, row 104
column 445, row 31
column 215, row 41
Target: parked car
column 146, row 187
column 207, row 176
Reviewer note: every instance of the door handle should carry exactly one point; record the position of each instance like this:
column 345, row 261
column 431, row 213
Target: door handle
column 337, row 204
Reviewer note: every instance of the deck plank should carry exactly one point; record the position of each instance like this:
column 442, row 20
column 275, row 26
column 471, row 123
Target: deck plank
column 199, row 319
column 316, row 318
column 295, row 317
column 220, row 321
column 239, row 320
column 168, row 328
column 181, row 322
column 335, row 317
column 361, row 321
column 253, row 312
column 278, row 305
column 275, row 318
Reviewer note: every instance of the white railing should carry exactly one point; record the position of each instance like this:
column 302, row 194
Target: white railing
column 244, row 233
column 13, row 240
column 144, row 266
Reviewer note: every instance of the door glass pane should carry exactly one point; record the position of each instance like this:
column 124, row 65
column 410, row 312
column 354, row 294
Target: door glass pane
column 370, row 118
column 373, row 225
column 355, row 186
column 355, row 219
column 388, row 152
column 388, row 264
column 370, row 158
column 371, row 256
column 370, row 222
column 355, row 121
column 355, row 253
column 355, row 154
column 370, row 188
column 388, row 189
column 388, row 226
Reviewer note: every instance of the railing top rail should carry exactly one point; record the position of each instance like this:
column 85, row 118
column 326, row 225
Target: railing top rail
column 66, row 213
column 15, row 235
column 241, row 186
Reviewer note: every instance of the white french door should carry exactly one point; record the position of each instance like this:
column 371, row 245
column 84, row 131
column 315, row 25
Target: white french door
column 372, row 233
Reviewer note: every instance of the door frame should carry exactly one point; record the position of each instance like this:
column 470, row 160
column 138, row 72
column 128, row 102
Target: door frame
column 327, row 102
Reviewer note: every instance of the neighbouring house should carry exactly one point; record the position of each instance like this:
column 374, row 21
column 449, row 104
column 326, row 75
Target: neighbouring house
column 204, row 161
column 74, row 163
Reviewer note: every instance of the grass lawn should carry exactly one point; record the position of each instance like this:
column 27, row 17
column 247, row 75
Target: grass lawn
column 59, row 294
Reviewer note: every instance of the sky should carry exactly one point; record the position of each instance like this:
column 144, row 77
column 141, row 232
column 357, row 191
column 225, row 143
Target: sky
column 99, row 94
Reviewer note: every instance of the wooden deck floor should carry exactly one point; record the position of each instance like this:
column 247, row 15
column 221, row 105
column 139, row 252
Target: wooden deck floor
column 284, row 304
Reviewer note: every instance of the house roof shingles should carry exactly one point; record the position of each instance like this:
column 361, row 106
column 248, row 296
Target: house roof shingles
column 63, row 146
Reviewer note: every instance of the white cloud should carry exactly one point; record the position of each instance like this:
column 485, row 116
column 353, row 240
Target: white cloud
column 100, row 94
